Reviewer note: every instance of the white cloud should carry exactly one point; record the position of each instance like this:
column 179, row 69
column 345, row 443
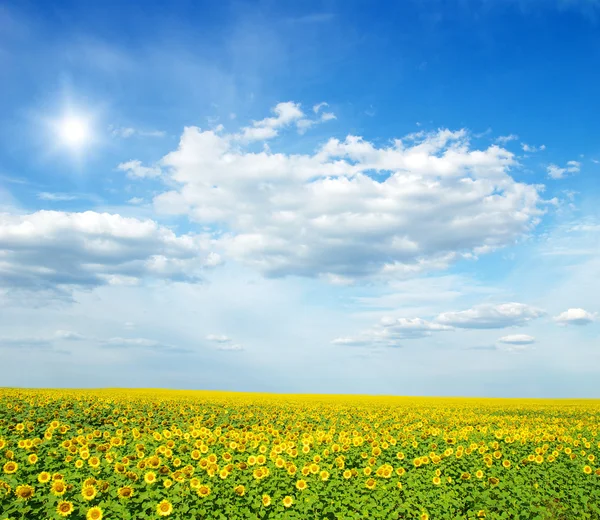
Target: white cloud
column 145, row 344
column 556, row 172
column 135, row 200
column 303, row 125
column 135, row 170
column 285, row 114
column 227, row 347
column 532, row 149
column 575, row 317
column 123, row 132
column 517, row 339
column 218, row 338
column 391, row 331
column 328, row 214
column 319, row 106
column 53, row 249
column 503, row 139
column 56, row 197
column 489, row 316
column 126, row 132
column 69, row 335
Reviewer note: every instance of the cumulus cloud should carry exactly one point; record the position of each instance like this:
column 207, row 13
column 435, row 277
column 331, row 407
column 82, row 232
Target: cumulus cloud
column 556, row 172
column 285, row 114
column 54, row 249
column 503, row 139
column 575, row 317
column 135, row 170
column 391, row 331
column 218, row 338
column 69, row 335
column 228, row 347
column 224, row 342
column 528, row 148
column 351, row 209
column 56, row 197
column 126, row 132
column 144, row 344
column 489, row 316
column 517, row 339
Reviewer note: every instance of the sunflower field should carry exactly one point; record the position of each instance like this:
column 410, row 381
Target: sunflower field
column 138, row 454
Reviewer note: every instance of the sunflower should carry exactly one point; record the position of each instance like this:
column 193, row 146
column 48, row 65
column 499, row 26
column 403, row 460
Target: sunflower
column 94, row 462
column 24, row 492
column 288, row 501
column 324, row 475
column 437, row 481
column 424, row 516
column 79, row 464
column 587, row 470
column 44, row 477
column 240, row 490
column 89, row 493
column 301, row 485
column 203, row 490
column 506, row 463
column 150, row 477
column 164, row 508
column 168, row 483
column 32, row 459
column 125, row 492
column 58, row 488
column 266, row 500
column 371, row 483
column 479, row 473
column 95, row 513
column 10, row 467
column 64, row 508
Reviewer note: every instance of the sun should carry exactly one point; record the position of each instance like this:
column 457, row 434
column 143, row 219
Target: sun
column 74, row 131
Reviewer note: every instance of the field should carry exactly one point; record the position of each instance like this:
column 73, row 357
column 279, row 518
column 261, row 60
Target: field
column 137, row 454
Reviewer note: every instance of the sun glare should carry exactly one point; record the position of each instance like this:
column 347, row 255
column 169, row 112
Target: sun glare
column 74, row 131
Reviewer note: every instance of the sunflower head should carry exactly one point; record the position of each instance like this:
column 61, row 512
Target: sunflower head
column 203, row 490
column 24, row 492
column 44, row 477
column 89, row 492
column 164, row 508
column 10, row 467
column 64, row 508
column 95, row 513
column 125, row 492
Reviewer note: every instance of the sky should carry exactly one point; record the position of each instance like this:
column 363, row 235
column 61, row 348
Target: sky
column 353, row 197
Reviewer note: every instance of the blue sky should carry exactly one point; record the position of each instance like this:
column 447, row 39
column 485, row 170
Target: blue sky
column 301, row 197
